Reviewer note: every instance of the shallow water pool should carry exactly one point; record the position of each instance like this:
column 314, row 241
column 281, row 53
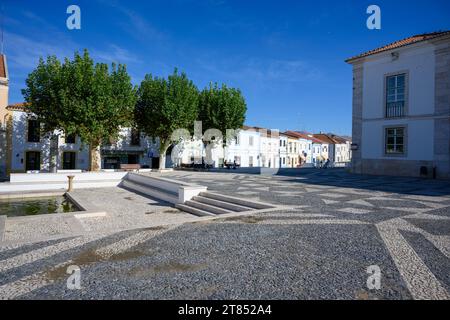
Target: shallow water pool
column 36, row 206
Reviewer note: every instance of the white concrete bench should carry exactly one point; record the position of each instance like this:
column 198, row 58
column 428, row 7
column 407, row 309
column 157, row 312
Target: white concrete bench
column 169, row 190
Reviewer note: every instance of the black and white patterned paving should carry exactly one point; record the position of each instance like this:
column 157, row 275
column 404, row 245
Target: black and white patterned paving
column 337, row 225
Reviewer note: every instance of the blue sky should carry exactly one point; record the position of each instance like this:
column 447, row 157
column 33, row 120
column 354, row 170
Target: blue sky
column 287, row 57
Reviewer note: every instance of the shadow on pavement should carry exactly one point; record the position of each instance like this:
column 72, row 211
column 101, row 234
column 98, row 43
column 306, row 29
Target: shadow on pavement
column 341, row 178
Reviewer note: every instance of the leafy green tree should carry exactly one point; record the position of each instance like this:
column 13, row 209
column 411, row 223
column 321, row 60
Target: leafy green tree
column 81, row 98
column 166, row 105
column 221, row 108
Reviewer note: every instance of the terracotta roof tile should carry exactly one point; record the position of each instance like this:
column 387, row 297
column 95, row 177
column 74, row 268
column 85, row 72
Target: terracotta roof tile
column 303, row 135
column 330, row 138
column 258, row 129
column 402, row 43
column 324, row 138
column 17, row 106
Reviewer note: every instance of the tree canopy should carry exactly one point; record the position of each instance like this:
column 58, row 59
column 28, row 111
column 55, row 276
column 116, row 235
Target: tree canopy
column 81, row 98
column 165, row 105
column 222, row 108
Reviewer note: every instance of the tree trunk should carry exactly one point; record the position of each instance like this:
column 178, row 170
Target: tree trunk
column 54, row 146
column 163, row 146
column 208, row 152
column 162, row 161
column 94, row 157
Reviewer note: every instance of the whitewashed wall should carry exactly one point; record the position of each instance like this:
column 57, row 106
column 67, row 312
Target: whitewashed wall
column 419, row 141
column 20, row 144
column 419, row 62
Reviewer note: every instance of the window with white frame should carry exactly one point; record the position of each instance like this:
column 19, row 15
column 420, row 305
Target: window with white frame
column 395, row 140
column 395, row 95
column 250, row 141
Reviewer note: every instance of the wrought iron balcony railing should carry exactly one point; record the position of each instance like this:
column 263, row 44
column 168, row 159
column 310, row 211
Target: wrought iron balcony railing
column 395, row 110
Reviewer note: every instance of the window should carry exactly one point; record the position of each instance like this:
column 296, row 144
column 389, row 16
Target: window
column 250, row 161
column 69, row 160
column 111, row 163
column 34, row 134
column 281, row 143
column 250, row 141
column 284, row 143
column 135, row 137
column 133, row 159
column 395, row 141
column 32, row 161
column 70, row 138
column 395, row 95
column 238, row 140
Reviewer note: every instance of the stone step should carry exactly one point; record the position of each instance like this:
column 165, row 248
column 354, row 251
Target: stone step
column 222, row 204
column 146, row 184
column 152, row 182
column 207, row 207
column 194, row 211
column 150, row 191
column 238, row 201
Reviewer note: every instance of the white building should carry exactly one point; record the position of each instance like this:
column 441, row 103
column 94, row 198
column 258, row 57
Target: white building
column 269, row 148
column 245, row 149
column 401, row 107
column 283, row 151
column 343, row 152
column 338, row 148
column 309, row 148
column 320, row 152
column 306, row 150
column 4, row 89
column 252, row 147
column 33, row 151
column 131, row 147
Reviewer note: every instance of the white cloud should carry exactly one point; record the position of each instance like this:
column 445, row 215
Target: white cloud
column 24, row 53
column 136, row 25
column 117, row 54
column 262, row 70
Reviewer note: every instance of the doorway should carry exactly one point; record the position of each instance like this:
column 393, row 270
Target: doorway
column 32, row 161
column 69, row 160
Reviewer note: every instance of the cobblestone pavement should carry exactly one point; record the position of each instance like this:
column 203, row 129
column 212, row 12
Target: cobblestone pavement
column 339, row 225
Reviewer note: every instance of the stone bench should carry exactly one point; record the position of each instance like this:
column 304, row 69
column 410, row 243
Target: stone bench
column 130, row 167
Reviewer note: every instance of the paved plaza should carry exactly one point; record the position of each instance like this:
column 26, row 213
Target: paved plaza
column 327, row 229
